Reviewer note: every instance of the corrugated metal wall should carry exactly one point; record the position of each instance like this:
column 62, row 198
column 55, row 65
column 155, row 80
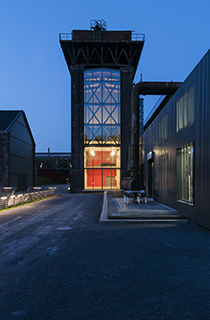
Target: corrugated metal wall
column 202, row 142
column 165, row 149
column 22, row 151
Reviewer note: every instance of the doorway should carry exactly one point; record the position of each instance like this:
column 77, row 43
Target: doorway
column 151, row 178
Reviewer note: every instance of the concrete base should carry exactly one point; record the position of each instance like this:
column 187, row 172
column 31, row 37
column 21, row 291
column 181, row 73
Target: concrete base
column 115, row 210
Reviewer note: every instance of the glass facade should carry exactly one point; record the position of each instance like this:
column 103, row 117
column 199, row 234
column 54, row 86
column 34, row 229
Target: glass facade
column 102, row 128
column 185, row 169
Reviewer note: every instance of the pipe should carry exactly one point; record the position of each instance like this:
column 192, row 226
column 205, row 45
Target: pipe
column 157, row 87
column 144, row 88
column 134, row 155
column 132, row 180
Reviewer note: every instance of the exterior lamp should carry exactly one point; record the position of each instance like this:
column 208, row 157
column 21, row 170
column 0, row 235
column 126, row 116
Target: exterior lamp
column 112, row 153
column 92, row 153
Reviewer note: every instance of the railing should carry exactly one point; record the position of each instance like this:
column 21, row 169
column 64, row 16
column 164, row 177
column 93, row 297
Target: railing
column 160, row 100
column 65, row 36
column 32, row 194
column 6, row 191
column 134, row 36
column 137, row 36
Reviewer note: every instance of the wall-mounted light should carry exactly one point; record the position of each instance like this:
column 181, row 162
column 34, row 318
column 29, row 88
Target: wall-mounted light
column 92, row 152
column 112, row 153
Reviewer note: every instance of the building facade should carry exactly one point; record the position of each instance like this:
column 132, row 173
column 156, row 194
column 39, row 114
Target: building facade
column 175, row 148
column 102, row 65
column 54, row 165
column 17, row 151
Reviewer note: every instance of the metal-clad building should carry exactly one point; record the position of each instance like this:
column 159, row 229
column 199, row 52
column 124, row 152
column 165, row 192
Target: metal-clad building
column 175, row 148
column 17, row 150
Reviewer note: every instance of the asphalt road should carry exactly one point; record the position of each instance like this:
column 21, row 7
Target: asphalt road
column 58, row 262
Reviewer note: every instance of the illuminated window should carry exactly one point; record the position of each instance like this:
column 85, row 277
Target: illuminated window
column 185, row 112
column 184, row 174
column 102, row 129
column 102, row 167
column 163, row 129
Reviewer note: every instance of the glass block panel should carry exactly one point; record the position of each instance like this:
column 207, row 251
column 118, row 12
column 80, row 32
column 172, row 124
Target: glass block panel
column 110, row 134
column 106, row 115
column 88, row 134
column 111, row 114
column 116, row 114
column 97, row 134
column 107, row 134
column 102, row 128
column 93, row 114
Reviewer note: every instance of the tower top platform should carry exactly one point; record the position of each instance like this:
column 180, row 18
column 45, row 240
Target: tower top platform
column 101, row 48
column 102, row 36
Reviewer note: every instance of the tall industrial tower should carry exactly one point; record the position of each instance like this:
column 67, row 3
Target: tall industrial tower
column 102, row 65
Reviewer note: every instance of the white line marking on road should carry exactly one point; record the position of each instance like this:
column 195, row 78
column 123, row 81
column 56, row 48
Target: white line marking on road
column 63, row 228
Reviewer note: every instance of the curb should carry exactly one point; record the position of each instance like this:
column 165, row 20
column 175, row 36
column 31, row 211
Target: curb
column 104, row 212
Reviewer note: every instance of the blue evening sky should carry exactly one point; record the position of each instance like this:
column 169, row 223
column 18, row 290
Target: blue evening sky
column 33, row 72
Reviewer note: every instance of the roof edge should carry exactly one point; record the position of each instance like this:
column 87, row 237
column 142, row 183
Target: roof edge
column 14, row 120
column 21, row 112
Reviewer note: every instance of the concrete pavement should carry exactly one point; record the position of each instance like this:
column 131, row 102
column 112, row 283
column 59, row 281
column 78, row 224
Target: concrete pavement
column 57, row 262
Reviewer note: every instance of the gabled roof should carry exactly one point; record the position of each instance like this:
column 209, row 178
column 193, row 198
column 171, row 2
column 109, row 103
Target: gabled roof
column 7, row 118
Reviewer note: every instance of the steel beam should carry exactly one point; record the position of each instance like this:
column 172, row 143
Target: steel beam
column 156, row 87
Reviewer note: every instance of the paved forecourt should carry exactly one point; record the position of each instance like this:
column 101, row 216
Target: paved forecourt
column 116, row 210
